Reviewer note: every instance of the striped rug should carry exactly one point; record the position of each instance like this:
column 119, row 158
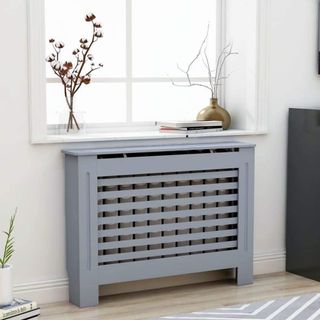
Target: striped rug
column 304, row 307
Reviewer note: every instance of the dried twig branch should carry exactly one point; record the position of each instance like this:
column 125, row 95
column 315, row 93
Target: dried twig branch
column 224, row 55
column 215, row 76
column 207, row 63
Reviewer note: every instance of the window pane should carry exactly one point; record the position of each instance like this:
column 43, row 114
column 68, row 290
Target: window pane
column 100, row 102
column 65, row 22
column 168, row 32
column 163, row 101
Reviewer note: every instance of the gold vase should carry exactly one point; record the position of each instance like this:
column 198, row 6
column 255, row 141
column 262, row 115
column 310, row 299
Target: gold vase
column 214, row 112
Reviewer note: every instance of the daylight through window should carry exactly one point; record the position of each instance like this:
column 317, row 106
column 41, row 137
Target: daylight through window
column 144, row 41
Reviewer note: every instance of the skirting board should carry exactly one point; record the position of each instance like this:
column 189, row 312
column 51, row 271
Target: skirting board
column 57, row 290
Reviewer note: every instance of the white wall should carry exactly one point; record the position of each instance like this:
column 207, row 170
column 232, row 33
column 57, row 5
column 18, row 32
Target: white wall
column 32, row 175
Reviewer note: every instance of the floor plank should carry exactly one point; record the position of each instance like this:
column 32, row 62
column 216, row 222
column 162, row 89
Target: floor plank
column 170, row 301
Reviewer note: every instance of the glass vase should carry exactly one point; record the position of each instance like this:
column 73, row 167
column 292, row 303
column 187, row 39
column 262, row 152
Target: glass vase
column 72, row 123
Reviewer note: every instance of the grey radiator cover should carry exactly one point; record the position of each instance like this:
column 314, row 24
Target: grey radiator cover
column 144, row 212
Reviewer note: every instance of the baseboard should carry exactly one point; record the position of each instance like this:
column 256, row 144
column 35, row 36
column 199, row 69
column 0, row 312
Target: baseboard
column 57, row 290
column 271, row 262
column 43, row 291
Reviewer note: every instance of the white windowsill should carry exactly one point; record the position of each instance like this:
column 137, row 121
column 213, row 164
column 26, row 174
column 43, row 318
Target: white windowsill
column 140, row 135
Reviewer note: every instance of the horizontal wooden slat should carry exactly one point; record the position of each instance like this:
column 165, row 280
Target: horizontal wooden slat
column 167, row 215
column 167, row 239
column 167, row 227
column 182, row 146
column 166, row 203
column 171, row 266
column 169, row 163
column 167, row 177
column 169, row 190
column 167, row 251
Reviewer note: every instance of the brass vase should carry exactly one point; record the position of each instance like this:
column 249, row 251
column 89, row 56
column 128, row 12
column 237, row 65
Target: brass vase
column 214, row 112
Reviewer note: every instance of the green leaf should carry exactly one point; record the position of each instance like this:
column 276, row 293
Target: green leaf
column 8, row 248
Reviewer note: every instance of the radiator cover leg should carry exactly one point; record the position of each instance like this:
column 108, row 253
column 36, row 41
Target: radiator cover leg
column 244, row 275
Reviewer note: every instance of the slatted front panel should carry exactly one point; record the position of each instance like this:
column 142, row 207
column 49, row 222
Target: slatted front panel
column 157, row 216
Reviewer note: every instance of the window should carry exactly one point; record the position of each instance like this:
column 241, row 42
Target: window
column 143, row 42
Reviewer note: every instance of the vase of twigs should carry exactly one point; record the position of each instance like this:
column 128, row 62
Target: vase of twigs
column 6, row 296
column 215, row 79
column 74, row 74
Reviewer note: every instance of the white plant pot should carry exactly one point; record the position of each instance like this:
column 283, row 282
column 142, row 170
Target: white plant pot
column 5, row 285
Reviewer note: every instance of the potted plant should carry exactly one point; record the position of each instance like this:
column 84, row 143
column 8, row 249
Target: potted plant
column 6, row 269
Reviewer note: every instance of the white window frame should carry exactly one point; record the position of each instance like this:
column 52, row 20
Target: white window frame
column 37, row 79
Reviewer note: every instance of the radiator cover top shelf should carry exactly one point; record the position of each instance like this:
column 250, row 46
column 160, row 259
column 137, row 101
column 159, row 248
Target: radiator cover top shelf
column 144, row 212
column 164, row 148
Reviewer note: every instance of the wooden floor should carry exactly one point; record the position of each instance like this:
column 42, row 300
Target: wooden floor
column 171, row 301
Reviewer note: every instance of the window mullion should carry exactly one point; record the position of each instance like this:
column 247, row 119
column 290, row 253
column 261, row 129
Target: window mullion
column 136, row 79
column 129, row 58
